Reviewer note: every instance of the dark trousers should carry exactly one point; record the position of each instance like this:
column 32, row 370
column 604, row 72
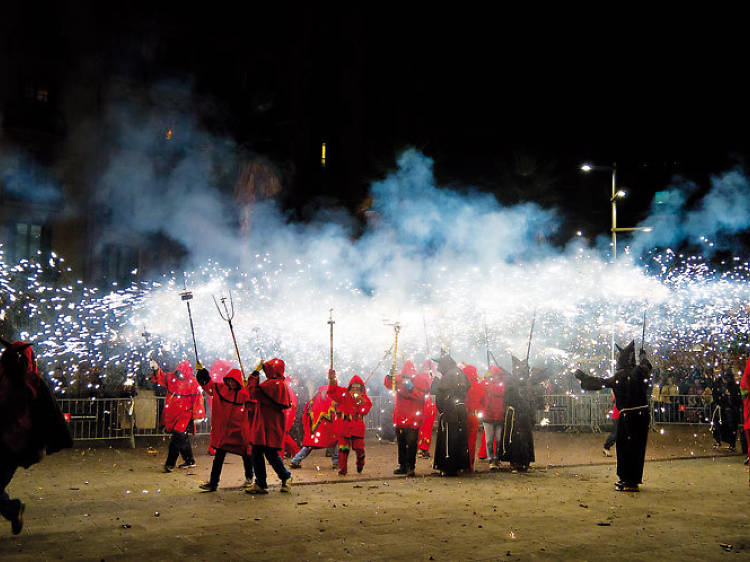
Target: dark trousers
column 273, row 458
column 218, row 464
column 406, row 438
column 179, row 445
column 8, row 508
column 611, row 438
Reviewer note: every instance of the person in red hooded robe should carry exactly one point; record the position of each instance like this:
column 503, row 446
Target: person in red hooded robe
column 267, row 428
column 319, row 425
column 410, row 389
column 493, row 415
column 352, row 405
column 182, row 406
column 473, row 409
column 217, row 372
column 290, row 446
column 31, row 423
column 230, row 427
column 745, row 393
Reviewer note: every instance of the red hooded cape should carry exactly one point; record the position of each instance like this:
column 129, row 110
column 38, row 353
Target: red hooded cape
column 411, row 388
column 319, row 420
column 350, row 415
column 272, row 398
column 476, row 391
column 290, row 414
column 492, row 401
column 230, row 427
column 30, row 419
column 184, row 400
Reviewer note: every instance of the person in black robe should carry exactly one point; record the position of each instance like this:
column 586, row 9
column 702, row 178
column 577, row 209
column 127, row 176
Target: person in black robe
column 725, row 417
column 630, row 384
column 451, row 445
column 518, row 437
column 31, row 423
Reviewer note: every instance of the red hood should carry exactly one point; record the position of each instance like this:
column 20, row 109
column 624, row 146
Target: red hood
column 428, row 367
column 219, row 369
column 408, row 369
column 497, row 374
column 471, row 373
column 356, row 379
column 234, row 374
column 274, row 368
column 30, row 375
column 185, row 368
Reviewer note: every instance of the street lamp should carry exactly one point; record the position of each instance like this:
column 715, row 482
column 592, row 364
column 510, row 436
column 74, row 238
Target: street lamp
column 616, row 194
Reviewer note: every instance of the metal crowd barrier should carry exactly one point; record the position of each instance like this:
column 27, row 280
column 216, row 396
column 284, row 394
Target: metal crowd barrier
column 115, row 418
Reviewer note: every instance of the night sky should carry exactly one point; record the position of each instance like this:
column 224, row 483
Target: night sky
column 507, row 101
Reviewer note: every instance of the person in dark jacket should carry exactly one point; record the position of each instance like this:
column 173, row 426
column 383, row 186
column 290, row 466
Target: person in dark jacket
column 31, row 423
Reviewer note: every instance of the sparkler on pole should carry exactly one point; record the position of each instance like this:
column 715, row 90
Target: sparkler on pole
column 331, row 322
column 228, row 316
column 396, row 330
column 187, row 296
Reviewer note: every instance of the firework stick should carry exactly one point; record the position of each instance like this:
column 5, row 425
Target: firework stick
column 187, row 296
column 396, row 330
column 331, row 322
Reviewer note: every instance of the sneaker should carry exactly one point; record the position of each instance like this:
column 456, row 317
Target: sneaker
column 411, row 473
column 400, row 470
column 188, row 464
column 606, row 452
column 256, row 489
column 342, row 472
column 295, row 465
column 630, row 488
column 248, row 483
column 285, row 485
column 619, row 485
column 16, row 524
column 360, row 468
column 208, row 487
column 168, row 468
column 424, row 454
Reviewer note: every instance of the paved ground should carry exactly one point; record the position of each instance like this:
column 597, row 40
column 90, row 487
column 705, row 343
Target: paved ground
column 113, row 503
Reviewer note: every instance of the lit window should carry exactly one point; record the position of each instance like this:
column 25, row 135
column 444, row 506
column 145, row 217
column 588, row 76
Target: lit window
column 323, row 155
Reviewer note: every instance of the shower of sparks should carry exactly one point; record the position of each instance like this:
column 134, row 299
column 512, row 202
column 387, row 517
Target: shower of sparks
column 694, row 312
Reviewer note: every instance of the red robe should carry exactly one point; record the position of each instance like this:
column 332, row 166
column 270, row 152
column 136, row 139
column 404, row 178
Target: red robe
column 230, row 428
column 473, row 408
column 319, row 420
column 493, row 408
column 272, row 398
column 745, row 393
column 411, row 388
column 350, row 415
column 184, row 400
column 428, row 422
column 289, row 416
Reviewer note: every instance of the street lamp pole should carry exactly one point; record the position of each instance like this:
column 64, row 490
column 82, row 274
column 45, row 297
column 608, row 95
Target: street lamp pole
column 614, row 230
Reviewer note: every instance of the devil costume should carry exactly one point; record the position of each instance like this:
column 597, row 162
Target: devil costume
column 31, row 423
column 451, row 446
column 630, row 385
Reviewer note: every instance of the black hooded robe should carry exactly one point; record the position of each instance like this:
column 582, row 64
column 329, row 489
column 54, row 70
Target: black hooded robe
column 630, row 386
column 518, row 437
column 451, row 445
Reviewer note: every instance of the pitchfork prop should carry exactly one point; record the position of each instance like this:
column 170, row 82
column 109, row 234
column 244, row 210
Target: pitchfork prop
column 228, row 316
